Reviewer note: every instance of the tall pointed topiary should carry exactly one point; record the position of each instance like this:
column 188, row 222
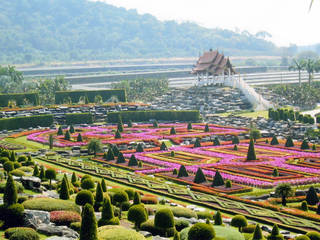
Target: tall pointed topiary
column 13, row 156
column 79, row 138
column 42, row 175
column 117, row 135
column 136, row 198
column 71, row 129
column 312, row 196
column 275, row 172
column 10, row 192
column 189, row 126
column 274, row 140
column 197, row 143
column 275, row 234
column 217, row 180
column 36, row 171
column 163, row 147
column 251, row 152
column 216, row 141
column 67, row 136
column 200, row 177
column 64, row 190
column 74, row 178
column 103, row 185
column 172, row 131
column 235, row 147
column 289, row 142
column 182, row 172
column 60, row 132
column 139, row 148
column 115, row 150
column 99, row 197
column 218, row 218
column 109, row 156
column 121, row 158
column 235, row 140
column 155, row 124
column 257, row 234
column 133, row 161
column 206, row 128
column 88, row 230
column 305, row 144
column 120, row 125
column 107, row 212
column 314, row 147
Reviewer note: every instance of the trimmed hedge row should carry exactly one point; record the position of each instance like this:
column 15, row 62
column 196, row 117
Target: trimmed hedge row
column 140, row 116
column 78, row 118
column 26, row 122
column 105, row 94
column 33, row 98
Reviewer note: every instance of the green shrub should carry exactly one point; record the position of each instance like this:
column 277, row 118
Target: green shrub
column 133, row 161
column 304, row 206
column 84, row 177
column 118, row 233
column 239, row 221
column 107, row 216
column 302, row 237
column 181, row 224
column 83, row 197
column 274, row 140
column 87, row 183
column 17, row 173
column 199, row 177
column 136, row 198
column 88, row 230
column 50, row 204
column 197, row 143
column 251, row 155
column 8, row 166
column 21, row 199
column 64, row 190
column 313, row 235
column 257, row 234
column 289, row 142
column 120, row 197
column 137, row 214
column 182, row 172
column 130, row 193
column 183, row 212
column 19, row 98
column 149, row 200
column 21, row 233
column 19, row 187
column 13, row 215
column 76, row 226
column 201, row 231
column 17, row 165
column 218, row 218
column 26, row 122
column 64, row 217
column 305, row 145
column 164, row 218
column 217, row 180
column 312, row 196
column 204, row 215
column 10, row 192
column 249, row 228
column 235, row 140
column 275, row 234
column 125, row 206
column 26, row 169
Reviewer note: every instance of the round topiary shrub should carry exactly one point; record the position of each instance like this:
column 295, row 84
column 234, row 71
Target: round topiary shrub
column 13, row 215
column 21, row 233
column 313, row 235
column 88, row 183
column 239, row 221
column 164, row 221
column 64, row 217
column 119, row 233
column 201, row 231
column 302, row 237
column 50, row 204
column 17, row 173
column 85, row 177
column 16, row 165
column 76, row 226
column 22, row 158
column 130, row 193
column 249, row 228
column 137, row 214
column 204, row 215
column 83, row 197
column 181, row 224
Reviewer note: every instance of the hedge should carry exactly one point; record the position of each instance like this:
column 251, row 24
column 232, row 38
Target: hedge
column 105, row 94
column 50, row 204
column 33, row 98
column 78, row 118
column 140, row 116
column 26, row 122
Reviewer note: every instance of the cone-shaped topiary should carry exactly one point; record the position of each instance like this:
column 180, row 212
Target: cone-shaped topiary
column 36, row 171
column 117, row 135
column 64, row 190
column 42, row 175
column 228, row 184
column 200, row 177
column 99, row 197
column 139, row 148
column 197, row 143
column 110, row 155
column 130, row 124
column 8, row 166
column 175, row 171
column 251, row 152
column 121, row 158
column 133, row 161
column 140, row 165
column 172, row 131
column 155, row 124
column 163, row 147
column 88, row 230
column 60, row 132
column 274, row 140
column 172, row 154
column 74, row 178
column 313, row 235
column 217, row 180
column 206, row 128
column 201, row 231
column 218, row 218
column 137, row 214
column 216, row 141
column 189, row 126
column 107, row 212
column 136, row 198
column 257, row 234
column 115, row 150
column 312, row 197
column 304, row 206
column 275, row 230
column 120, row 126
column 182, row 172
column 305, row 144
column 235, row 147
column 314, row 147
column 289, row 142
column 13, row 156
column 79, row 138
column 275, row 172
column 235, row 140
column 67, row 136
column 103, row 185
column 10, row 192
column 71, row 129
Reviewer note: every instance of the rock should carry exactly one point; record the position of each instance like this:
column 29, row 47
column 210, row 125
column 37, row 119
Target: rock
column 30, row 182
column 58, row 238
column 29, row 220
column 51, row 230
column 146, row 234
column 159, row 238
column 39, row 216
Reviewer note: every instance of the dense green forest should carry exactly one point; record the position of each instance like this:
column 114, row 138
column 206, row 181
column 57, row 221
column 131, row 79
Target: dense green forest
column 65, row 30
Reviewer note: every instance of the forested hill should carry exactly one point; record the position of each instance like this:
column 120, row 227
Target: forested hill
column 50, row 30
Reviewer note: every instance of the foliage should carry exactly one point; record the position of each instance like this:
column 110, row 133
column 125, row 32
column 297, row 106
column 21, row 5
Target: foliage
column 94, row 146
column 19, row 98
column 99, row 197
column 117, row 135
column 118, row 233
column 302, row 237
column 201, row 231
column 60, row 132
column 216, row 141
column 312, row 196
column 83, row 197
column 79, row 118
column 17, row 173
column 26, row 122
column 199, row 177
column 10, row 192
column 133, row 161
column 274, row 140
column 289, row 142
column 12, row 215
column 204, row 215
column 228, row 184
column 107, row 216
column 235, row 140
column 50, row 204
column 251, row 152
column 21, row 233
column 197, row 143
column 120, row 158
column 67, row 135
column 64, row 190
column 79, row 138
column 217, row 180
column 8, row 166
column 275, row 172
column 120, row 197
column 257, row 234
column 164, row 218
column 284, row 190
column 182, row 172
column 51, row 175
column 88, row 229
column 163, row 147
column 313, row 235
column 64, row 217
column 136, row 198
column 189, row 127
column 181, row 224
column 110, row 155
column 218, row 218
column 305, row 145
column 103, row 185
column 137, row 214
column 239, row 221
column 138, row 149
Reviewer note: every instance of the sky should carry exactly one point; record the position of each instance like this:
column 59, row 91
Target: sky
column 288, row 21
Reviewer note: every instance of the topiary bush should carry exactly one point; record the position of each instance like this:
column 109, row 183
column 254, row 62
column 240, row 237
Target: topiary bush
column 183, row 212
column 107, row 215
column 88, row 230
column 50, row 204
column 313, row 235
column 218, row 218
column 10, row 192
column 181, row 224
column 304, row 206
column 302, row 237
column 13, row 215
column 137, row 214
column 64, row 217
column 164, row 222
column 249, row 228
column 83, row 197
column 204, row 215
column 201, row 231
column 130, row 193
column 199, row 177
column 182, row 172
column 312, row 196
column 118, row 233
column 21, row 233
column 76, row 226
column 217, row 180
column 239, row 221
column 87, row 183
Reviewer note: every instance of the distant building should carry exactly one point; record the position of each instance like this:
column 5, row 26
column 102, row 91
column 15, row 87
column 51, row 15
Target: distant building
column 213, row 63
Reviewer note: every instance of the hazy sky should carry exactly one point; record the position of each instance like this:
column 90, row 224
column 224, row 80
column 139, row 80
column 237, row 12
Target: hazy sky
column 289, row 21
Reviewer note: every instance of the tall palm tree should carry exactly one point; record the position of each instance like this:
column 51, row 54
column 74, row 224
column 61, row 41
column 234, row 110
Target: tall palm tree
column 298, row 65
column 311, row 68
column 284, row 190
column 94, row 146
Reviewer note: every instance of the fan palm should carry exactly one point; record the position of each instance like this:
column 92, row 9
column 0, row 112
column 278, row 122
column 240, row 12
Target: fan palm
column 298, row 65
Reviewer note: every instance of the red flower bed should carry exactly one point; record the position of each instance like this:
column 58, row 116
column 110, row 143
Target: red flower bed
column 64, row 217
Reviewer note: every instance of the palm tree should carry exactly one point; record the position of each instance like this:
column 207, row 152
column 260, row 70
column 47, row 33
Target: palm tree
column 298, row 65
column 310, row 67
column 284, row 190
column 94, row 146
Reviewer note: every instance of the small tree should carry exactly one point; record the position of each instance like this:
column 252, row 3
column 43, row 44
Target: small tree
column 107, row 212
column 36, row 171
column 275, row 172
column 103, row 185
column 284, row 190
column 314, row 147
column 64, row 190
column 312, row 196
column 216, row 141
column 13, row 156
column 60, row 132
column 137, row 214
column 133, row 161
column 235, row 140
column 206, row 128
column 99, row 197
column 94, row 146
column 121, row 158
column 274, row 140
column 42, row 174
column 110, row 155
column 255, row 134
column 155, row 124
column 235, row 147
column 51, row 175
column 117, row 135
column 115, row 149
column 139, row 148
column 197, row 143
column 200, row 177
column 83, row 197
column 119, row 198
column 67, row 136
column 74, row 178
column 228, row 184
column 120, row 126
column 251, row 152
column 305, row 145
column 79, row 138
column 173, row 131
column 164, row 219
column 257, row 234
column 71, row 129
column 189, row 126
column 239, row 221
column 275, row 234
column 163, row 147
column 136, row 198
column 217, row 180
column 175, row 171
column 201, row 231
column 172, row 154
column 88, row 230
column 10, row 192
column 50, row 141
column 218, row 218
column 182, row 172
column 289, row 142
